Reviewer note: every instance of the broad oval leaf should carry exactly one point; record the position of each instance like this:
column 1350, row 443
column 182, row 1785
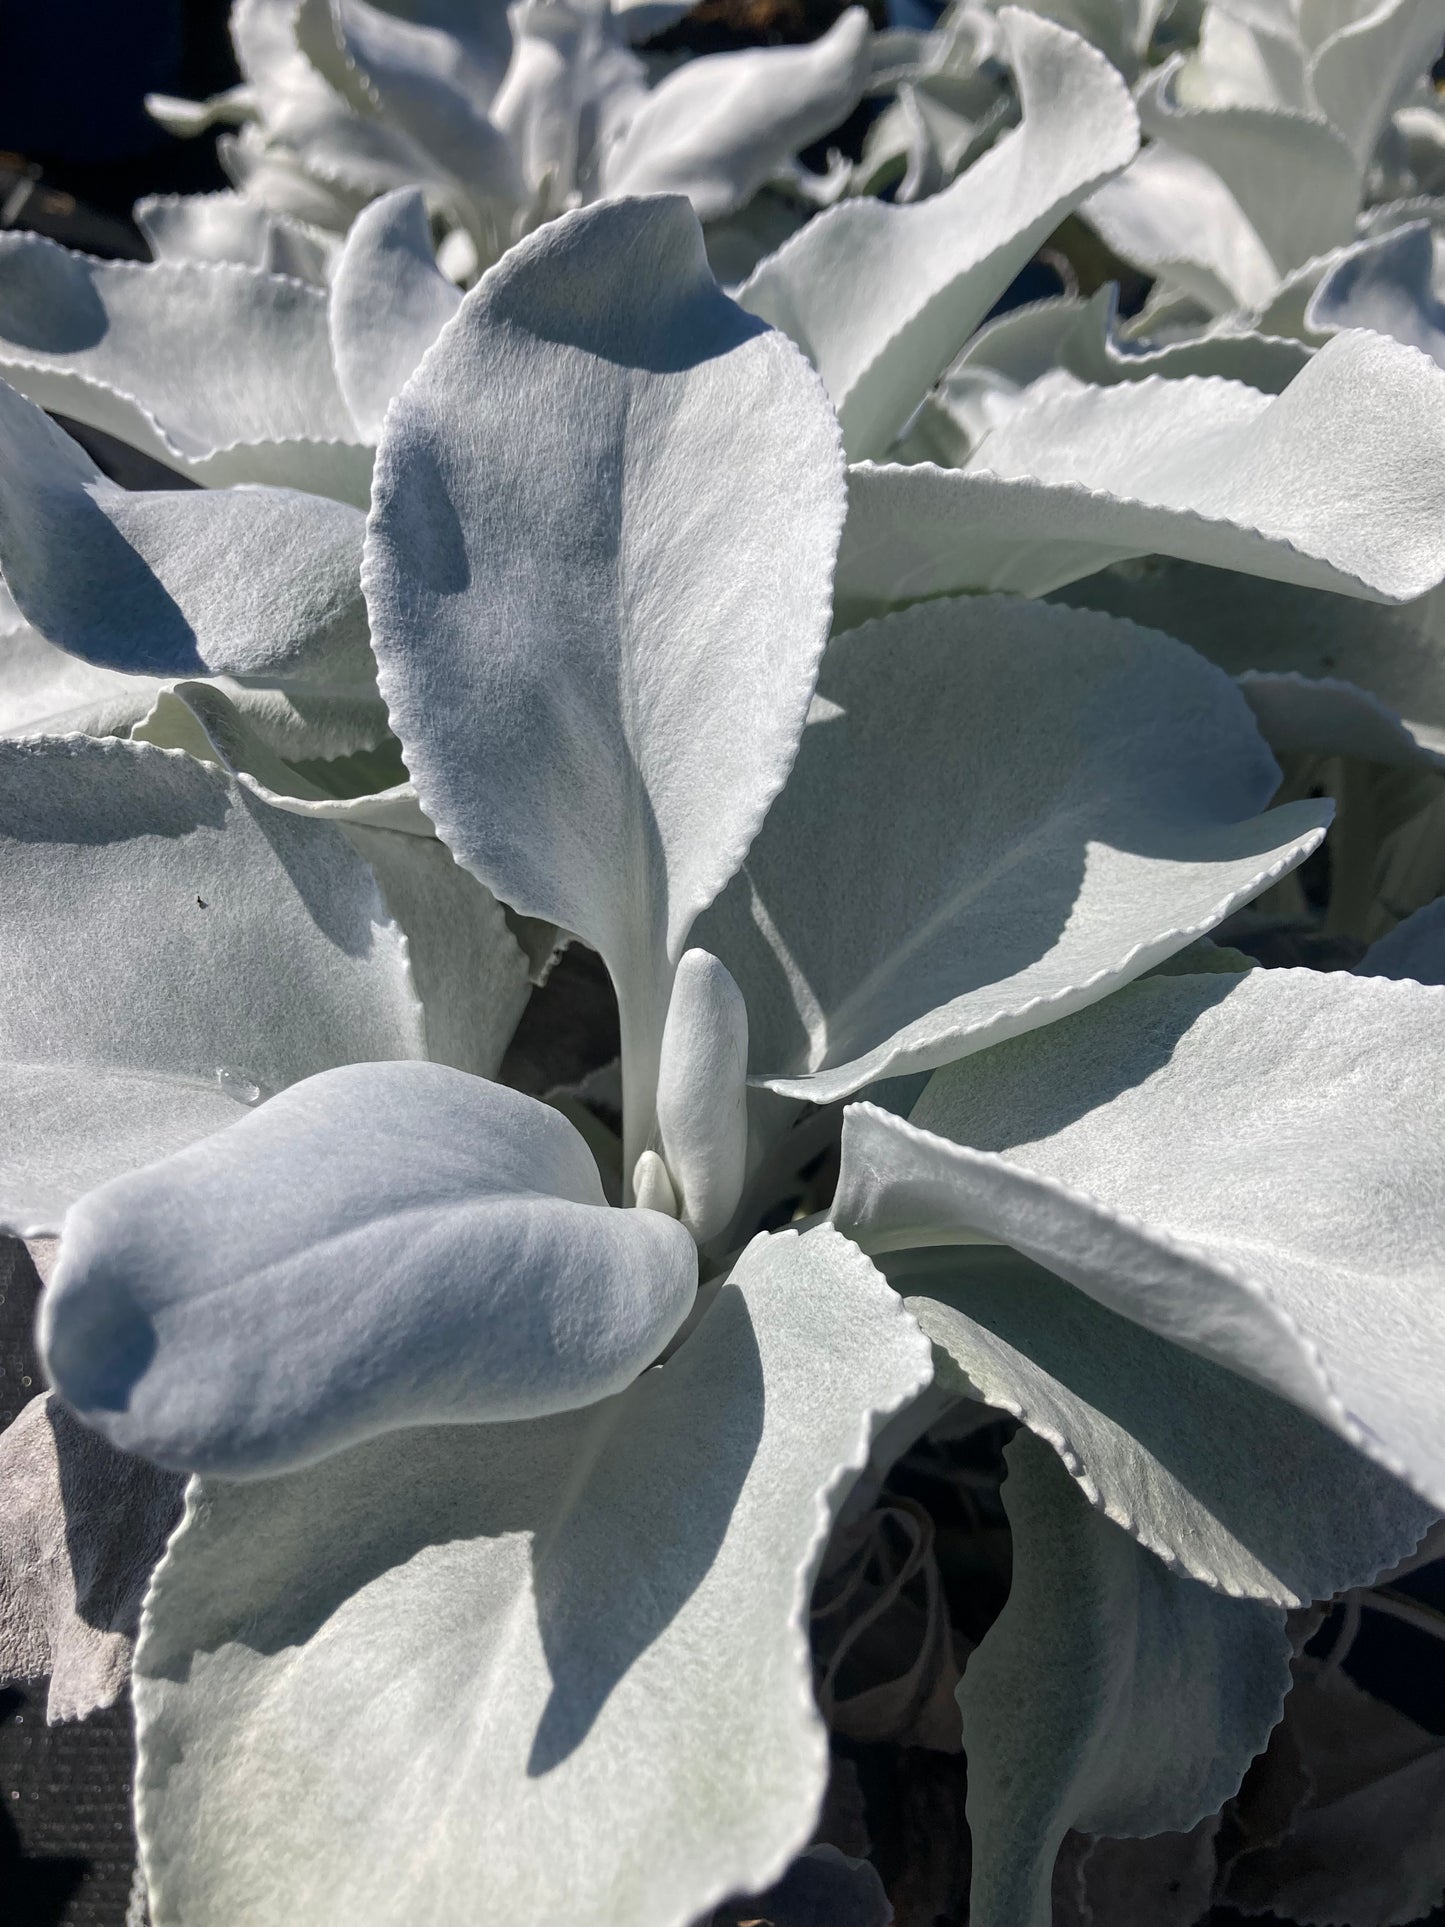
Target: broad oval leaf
column 421, row 1246
column 1063, row 832
column 117, row 345
column 259, row 582
column 597, row 669
column 598, row 1620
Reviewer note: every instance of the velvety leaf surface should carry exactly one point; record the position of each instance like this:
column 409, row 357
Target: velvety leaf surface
column 416, row 1245
column 881, row 298
column 117, row 345
column 171, row 945
column 716, row 129
column 1110, row 1695
column 389, row 301
column 47, row 691
column 1064, row 833
column 228, row 227
column 260, row 582
column 1292, row 1228
column 1324, row 674
column 1336, row 483
column 1202, row 1467
column 595, row 664
column 1293, row 176
column 595, row 1619
column 1171, row 215
column 81, row 1530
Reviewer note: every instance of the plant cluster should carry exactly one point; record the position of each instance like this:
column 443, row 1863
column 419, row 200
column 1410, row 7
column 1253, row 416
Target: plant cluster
column 592, row 533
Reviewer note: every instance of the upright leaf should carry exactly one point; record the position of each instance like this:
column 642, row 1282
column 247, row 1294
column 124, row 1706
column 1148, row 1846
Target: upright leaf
column 1110, row 1695
column 597, row 667
column 882, row 297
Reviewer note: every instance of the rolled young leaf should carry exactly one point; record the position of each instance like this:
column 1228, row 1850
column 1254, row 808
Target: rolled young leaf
column 258, row 582
column 213, row 951
column 419, row 1246
column 1110, row 1695
column 996, row 817
column 598, row 1620
column 598, row 670
column 881, row 298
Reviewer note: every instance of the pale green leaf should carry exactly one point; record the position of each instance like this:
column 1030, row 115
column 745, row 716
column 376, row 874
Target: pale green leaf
column 596, row 1619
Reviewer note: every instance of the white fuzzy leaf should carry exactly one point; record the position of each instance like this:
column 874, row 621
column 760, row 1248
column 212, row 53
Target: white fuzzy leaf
column 1110, row 1695
column 1172, row 216
column 719, row 127
column 170, row 945
column 1199, row 1465
column 228, row 227
column 882, row 297
column 1325, row 675
column 1292, row 175
column 389, row 301
column 121, row 346
column 259, row 582
column 1062, row 834
column 1249, row 1166
column 1337, row 483
column 597, row 669
column 597, row 1619
column 419, row 1246
column 1386, row 285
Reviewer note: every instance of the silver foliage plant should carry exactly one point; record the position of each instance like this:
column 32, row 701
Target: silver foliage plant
column 895, row 700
